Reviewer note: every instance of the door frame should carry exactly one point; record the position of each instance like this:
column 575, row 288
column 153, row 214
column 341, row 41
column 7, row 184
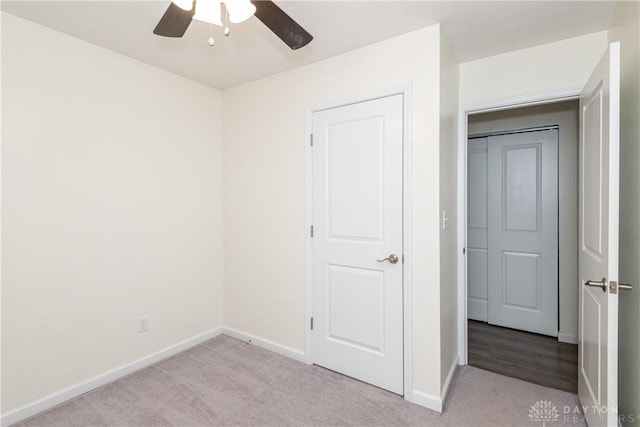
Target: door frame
column 407, row 219
column 507, row 103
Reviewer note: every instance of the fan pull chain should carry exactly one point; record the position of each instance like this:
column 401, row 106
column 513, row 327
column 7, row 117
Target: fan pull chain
column 227, row 31
column 212, row 42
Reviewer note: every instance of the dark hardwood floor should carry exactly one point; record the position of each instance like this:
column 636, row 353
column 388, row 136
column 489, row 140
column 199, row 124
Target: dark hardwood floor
column 531, row 357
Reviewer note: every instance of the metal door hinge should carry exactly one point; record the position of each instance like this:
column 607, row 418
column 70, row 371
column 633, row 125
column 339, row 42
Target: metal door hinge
column 464, row 251
column 312, row 231
column 311, row 139
column 312, row 323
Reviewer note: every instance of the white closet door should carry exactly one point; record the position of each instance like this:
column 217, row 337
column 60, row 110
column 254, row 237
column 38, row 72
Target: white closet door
column 477, row 230
column 523, row 231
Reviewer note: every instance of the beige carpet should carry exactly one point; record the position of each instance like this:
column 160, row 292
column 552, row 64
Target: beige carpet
column 225, row 383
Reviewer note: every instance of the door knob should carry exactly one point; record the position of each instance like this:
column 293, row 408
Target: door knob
column 597, row 284
column 614, row 286
column 393, row 259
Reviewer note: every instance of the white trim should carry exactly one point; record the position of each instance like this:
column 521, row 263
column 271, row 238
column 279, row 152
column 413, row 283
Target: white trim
column 568, row 338
column 426, row 400
column 462, row 237
column 407, row 227
column 483, row 107
column 308, row 222
column 522, row 101
column 435, row 403
column 401, row 89
column 407, row 91
column 61, row 396
column 613, row 247
column 446, row 387
column 266, row 344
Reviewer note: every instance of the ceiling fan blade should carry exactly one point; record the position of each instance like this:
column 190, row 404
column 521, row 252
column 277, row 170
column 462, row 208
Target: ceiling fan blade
column 281, row 24
column 174, row 22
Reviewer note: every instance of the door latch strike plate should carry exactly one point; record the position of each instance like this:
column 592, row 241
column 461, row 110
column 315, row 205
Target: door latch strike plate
column 312, row 323
column 613, row 287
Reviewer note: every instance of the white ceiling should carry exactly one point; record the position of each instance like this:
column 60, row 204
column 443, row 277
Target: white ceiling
column 475, row 28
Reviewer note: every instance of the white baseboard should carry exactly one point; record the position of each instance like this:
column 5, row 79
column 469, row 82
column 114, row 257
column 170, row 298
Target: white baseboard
column 76, row 390
column 447, row 383
column 266, row 344
column 568, row 338
column 426, row 400
column 430, row 401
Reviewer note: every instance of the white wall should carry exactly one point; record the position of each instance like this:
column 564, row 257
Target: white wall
column 557, row 66
column 625, row 28
column 449, row 83
column 264, row 240
column 111, row 209
column 564, row 114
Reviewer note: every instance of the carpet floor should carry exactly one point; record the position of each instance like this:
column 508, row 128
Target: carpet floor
column 225, row 383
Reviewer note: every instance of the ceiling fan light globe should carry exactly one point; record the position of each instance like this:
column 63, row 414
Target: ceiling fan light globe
column 184, row 4
column 239, row 10
column 208, row 11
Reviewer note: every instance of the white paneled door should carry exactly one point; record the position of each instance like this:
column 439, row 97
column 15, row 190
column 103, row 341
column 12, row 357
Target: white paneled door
column 523, row 231
column 357, row 241
column 513, row 230
column 598, row 242
column 477, row 234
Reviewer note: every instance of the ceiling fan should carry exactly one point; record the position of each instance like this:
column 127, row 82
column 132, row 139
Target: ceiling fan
column 176, row 19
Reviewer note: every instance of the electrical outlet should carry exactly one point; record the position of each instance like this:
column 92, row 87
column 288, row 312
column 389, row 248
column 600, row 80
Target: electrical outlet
column 143, row 324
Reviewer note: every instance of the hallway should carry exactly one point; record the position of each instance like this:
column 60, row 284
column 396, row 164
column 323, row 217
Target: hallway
column 531, row 357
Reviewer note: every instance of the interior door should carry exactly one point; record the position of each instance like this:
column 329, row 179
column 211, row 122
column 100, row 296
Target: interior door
column 598, row 242
column 523, row 231
column 357, row 241
column 477, row 229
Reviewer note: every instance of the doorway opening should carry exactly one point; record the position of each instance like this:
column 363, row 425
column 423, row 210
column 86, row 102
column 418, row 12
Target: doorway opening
column 522, row 233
